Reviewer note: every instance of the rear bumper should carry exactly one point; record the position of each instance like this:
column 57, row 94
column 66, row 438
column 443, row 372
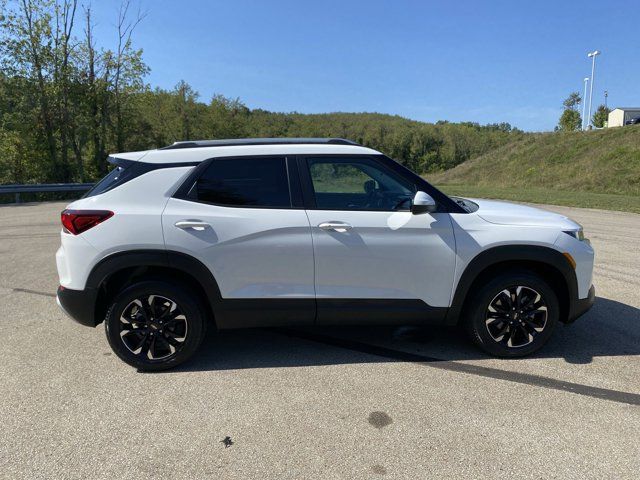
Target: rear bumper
column 581, row 305
column 78, row 304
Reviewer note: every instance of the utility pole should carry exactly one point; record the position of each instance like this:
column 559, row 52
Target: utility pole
column 606, row 94
column 593, row 56
column 584, row 102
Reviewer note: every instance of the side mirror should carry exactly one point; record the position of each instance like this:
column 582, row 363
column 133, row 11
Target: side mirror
column 423, row 203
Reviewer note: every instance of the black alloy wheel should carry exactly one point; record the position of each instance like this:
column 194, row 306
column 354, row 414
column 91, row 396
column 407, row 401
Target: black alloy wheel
column 516, row 316
column 512, row 314
column 155, row 325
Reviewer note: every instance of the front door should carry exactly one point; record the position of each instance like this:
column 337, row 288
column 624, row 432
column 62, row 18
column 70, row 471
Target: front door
column 374, row 260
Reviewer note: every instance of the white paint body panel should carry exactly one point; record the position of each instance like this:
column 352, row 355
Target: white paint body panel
column 505, row 213
column 252, row 252
column 384, row 255
column 583, row 254
column 74, row 259
column 136, row 224
column 474, row 235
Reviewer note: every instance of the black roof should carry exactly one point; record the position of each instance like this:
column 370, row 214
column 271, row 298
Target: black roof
column 259, row 141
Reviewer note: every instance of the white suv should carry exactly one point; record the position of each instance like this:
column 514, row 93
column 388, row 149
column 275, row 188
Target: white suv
column 273, row 232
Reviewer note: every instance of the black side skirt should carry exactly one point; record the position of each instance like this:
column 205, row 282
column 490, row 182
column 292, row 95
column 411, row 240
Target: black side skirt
column 258, row 312
column 377, row 312
column 248, row 313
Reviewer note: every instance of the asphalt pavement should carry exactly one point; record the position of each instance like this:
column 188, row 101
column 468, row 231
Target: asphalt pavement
column 318, row 403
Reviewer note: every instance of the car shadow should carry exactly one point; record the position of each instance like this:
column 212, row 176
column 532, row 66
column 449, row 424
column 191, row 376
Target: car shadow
column 610, row 328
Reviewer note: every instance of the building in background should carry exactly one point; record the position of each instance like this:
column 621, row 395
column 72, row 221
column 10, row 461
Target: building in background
column 620, row 116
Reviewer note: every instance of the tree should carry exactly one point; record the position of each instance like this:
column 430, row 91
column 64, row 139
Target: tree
column 186, row 98
column 570, row 120
column 128, row 68
column 601, row 116
column 573, row 101
column 69, row 101
column 96, row 99
column 66, row 101
column 27, row 52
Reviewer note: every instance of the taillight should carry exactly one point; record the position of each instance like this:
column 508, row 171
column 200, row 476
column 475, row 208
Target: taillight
column 78, row 221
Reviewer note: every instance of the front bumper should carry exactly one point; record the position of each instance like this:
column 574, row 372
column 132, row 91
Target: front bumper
column 581, row 305
column 78, row 304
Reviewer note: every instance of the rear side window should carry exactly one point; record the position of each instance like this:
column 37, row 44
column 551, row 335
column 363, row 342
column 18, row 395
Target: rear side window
column 245, row 182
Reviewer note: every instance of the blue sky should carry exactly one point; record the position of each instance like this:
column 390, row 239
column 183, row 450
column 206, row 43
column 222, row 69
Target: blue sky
column 482, row 61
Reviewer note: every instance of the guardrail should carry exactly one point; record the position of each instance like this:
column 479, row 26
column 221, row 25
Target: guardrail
column 43, row 187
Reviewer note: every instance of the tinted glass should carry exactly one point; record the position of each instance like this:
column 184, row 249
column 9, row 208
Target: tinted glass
column 115, row 177
column 124, row 171
column 250, row 182
column 354, row 184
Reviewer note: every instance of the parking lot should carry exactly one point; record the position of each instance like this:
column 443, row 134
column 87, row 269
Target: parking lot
column 318, row 403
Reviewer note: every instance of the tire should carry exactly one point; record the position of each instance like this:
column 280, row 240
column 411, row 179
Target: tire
column 155, row 325
column 527, row 324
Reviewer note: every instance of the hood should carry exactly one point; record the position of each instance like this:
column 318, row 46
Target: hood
column 505, row 213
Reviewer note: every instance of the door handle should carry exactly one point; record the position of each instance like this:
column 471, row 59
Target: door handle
column 194, row 224
column 335, row 226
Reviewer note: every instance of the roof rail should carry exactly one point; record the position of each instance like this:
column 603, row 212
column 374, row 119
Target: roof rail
column 232, row 142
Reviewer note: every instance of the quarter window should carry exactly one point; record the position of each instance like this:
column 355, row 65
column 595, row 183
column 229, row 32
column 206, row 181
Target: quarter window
column 245, row 182
column 122, row 173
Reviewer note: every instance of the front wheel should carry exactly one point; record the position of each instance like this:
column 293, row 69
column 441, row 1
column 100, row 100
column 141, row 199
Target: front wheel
column 512, row 315
column 155, row 325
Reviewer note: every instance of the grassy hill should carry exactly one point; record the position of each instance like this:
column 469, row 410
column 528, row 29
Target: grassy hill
column 597, row 169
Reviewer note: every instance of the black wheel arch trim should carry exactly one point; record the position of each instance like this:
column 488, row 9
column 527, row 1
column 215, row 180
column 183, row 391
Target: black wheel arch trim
column 185, row 263
column 514, row 254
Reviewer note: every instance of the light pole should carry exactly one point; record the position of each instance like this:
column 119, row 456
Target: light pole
column 584, row 101
column 606, row 94
column 593, row 56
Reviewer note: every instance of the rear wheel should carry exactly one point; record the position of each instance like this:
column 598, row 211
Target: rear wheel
column 155, row 325
column 512, row 315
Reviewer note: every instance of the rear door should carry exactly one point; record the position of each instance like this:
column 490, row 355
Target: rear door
column 244, row 220
column 375, row 261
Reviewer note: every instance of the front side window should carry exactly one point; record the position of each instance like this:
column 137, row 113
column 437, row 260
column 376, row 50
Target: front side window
column 358, row 184
column 245, row 182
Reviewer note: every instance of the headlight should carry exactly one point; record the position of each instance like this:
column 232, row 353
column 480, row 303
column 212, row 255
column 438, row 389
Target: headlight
column 577, row 234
